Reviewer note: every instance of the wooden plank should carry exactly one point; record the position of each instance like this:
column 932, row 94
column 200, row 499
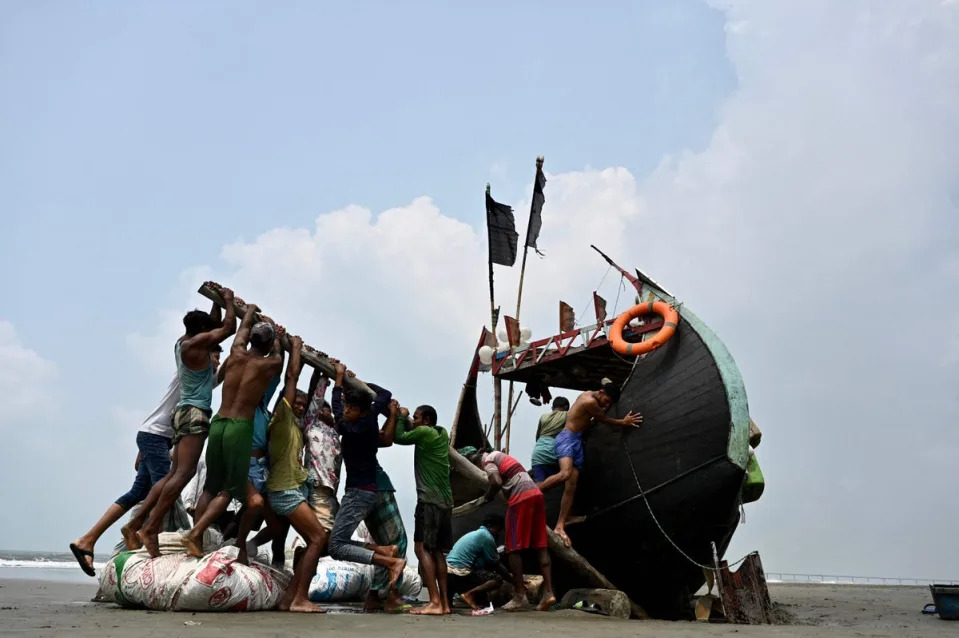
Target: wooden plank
column 311, row 356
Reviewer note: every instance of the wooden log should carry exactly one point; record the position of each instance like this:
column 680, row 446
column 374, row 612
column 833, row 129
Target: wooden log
column 478, row 483
column 311, row 356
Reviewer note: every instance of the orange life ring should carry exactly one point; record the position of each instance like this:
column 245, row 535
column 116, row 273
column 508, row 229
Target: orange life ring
column 661, row 308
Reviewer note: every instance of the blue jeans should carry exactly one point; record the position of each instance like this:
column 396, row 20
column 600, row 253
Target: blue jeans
column 354, row 508
column 154, row 465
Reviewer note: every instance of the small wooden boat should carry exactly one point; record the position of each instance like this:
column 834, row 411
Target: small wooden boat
column 656, row 497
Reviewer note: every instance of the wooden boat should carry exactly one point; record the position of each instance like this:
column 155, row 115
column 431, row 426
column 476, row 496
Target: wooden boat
column 651, row 494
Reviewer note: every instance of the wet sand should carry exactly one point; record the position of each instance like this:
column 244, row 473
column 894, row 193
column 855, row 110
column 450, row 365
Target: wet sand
column 43, row 608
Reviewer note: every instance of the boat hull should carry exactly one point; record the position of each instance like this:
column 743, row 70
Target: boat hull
column 675, row 481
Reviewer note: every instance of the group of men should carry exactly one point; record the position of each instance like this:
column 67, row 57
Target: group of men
column 284, row 469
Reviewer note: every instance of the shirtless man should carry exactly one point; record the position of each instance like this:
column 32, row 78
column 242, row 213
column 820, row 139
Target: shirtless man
column 589, row 408
column 191, row 419
column 247, row 373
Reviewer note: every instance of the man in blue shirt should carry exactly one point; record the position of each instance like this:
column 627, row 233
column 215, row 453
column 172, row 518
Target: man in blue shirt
column 473, row 565
column 356, row 421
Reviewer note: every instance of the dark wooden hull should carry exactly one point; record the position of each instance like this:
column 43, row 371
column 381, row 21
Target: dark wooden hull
column 682, row 461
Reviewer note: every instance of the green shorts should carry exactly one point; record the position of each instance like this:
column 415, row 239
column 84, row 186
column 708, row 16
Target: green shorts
column 228, row 456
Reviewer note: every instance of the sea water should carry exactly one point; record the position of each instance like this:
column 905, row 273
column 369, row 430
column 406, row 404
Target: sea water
column 56, row 566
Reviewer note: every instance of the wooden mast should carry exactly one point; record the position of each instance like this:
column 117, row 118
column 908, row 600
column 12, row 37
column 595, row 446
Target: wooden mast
column 497, row 384
column 519, row 294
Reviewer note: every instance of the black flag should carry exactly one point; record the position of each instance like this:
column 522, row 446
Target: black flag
column 536, row 210
column 502, row 232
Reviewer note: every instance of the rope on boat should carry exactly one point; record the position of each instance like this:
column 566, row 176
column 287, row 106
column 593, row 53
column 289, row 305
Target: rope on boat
column 642, row 492
column 578, row 319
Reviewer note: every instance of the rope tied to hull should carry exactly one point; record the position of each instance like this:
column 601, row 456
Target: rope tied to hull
column 649, row 507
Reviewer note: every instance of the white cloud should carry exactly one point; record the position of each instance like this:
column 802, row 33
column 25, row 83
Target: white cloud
column 26, row 379
column 817, row 233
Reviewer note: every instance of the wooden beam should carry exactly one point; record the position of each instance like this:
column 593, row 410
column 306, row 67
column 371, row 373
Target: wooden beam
column 311, row 356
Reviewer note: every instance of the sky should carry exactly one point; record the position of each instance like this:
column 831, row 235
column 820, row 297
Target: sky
column 787, row 170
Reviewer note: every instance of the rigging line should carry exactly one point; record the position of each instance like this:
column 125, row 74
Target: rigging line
column 622, row 287
column 577, row 321
column 642, row 492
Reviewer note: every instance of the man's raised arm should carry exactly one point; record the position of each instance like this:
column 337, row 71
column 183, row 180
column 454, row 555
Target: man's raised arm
column 389, row 428
column 221, row 332
column 243, row 334
column 631, row 419
column 293, row 368
column 381, row 403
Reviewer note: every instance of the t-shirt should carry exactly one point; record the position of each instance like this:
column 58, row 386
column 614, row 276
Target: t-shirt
column 286, row 442
column 431, row 461
column 475, row 550
column 543, row 452
column 517, row 484
column 360, row 439
column 160, row 421
column 261, row 416
column 551, row 423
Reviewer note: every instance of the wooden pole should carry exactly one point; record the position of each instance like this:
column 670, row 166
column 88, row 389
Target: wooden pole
column 519, row 294
column 497, row 384
column 310, row 355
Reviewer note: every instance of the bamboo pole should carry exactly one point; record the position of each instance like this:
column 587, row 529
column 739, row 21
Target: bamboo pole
column 519, row 294
column 497, row 384
column 311, row 356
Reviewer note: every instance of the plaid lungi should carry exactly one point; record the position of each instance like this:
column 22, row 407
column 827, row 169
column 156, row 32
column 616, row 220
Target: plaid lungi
column 386, row 527
column 189, row 420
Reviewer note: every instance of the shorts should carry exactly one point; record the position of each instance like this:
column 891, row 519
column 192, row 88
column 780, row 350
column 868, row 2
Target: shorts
column 540, row 473
column 190, row 420
column 526, row 523
column 285, row 502
column 569, row 445
column 456, row 584
column 259, row 473
column 433, row 526
column 228, row 456
column 324, row 505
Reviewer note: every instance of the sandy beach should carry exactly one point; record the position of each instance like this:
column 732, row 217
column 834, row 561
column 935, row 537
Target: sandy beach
column 44, row 608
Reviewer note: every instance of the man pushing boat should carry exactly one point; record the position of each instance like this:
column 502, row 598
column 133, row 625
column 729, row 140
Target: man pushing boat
column 590, row 407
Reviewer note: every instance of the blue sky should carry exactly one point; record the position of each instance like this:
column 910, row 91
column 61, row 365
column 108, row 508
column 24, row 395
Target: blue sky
column 329, row 163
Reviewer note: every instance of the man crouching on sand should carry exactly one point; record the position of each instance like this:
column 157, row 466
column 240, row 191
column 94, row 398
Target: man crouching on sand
column 289, row 491
column 247, row 373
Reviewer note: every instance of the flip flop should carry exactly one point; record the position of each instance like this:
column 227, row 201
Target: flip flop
column 402, row 609
column 80, row 555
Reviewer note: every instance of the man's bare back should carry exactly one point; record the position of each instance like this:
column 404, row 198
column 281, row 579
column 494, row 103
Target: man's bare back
column 248, row 373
